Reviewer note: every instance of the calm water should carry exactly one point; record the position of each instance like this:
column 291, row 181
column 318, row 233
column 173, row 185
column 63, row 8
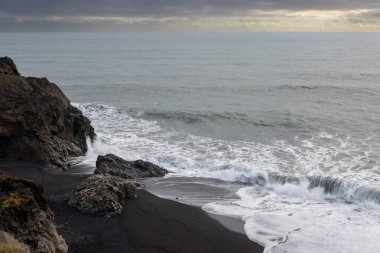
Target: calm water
column 294, row 115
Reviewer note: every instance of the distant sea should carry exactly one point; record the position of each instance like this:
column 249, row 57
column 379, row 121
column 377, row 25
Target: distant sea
column 288, row 124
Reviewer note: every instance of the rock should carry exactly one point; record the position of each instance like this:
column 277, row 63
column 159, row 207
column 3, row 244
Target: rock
column 116, row 166
column 26, row 216
column 102, row 195
column 8, row 67
column 9, row 244
column 37, row 122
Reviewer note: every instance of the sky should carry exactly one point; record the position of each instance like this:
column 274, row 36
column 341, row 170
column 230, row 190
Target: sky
column 189, row 15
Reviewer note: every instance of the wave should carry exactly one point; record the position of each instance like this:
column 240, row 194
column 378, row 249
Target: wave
column 189, row 117
column 297, row 87
column 285, row 120
column 328, row 188
column 279, row 166
column 347, row 90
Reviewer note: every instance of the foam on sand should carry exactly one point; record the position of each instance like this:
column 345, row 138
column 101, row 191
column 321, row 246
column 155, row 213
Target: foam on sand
column 299, row 225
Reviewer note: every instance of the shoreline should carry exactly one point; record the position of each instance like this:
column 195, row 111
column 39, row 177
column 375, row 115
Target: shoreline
column 196, row 191
column 147, row 224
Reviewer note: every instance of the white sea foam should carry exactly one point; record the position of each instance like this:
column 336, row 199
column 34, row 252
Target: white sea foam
column 298, row 202
column 299, row 225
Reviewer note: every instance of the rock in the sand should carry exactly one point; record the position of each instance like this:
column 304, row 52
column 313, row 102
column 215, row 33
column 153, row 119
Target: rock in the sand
column 37, row 121
column 26, row 216
column 102, row 195
column 116, row 166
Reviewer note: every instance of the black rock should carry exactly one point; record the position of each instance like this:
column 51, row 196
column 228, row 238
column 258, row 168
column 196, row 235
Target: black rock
column 37, row 121
column 102, row 195
column 116, row 166
column 26, row 216
column 8, row 67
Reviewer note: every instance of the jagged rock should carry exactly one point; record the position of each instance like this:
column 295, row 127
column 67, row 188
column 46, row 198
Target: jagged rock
column 8, row 67
column 37, row 122
column 116, row 166
column 26, row 216
column 102, row 195
column 11, row 244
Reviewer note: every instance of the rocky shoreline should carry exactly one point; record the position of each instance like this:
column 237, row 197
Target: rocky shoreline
column 45, row 209
column 37, row 121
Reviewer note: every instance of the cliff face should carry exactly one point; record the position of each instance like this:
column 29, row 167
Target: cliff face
column 26, row 216
column 37, row 122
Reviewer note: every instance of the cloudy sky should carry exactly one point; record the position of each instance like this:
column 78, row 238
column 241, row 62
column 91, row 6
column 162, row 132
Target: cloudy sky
column 190, row 15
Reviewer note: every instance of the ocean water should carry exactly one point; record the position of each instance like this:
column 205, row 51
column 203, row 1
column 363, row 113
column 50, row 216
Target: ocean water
column 287, row 123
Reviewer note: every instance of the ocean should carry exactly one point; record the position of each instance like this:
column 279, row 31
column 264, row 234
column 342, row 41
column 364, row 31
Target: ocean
column 281, row 130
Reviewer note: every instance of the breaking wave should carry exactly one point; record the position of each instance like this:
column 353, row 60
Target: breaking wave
column 312, row 163
column 329, row 188
column 279, row 121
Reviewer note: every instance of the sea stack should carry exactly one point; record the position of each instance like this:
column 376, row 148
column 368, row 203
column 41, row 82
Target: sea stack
column 37, row 121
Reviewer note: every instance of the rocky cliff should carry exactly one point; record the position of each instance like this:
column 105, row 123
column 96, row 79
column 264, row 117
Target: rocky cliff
column 37, row 121
column 25, row 217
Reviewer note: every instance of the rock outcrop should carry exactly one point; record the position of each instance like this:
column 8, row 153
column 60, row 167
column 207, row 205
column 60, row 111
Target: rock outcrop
column 102, row 195
column 37, row 122
column 26, row 216
column 116, row 166
column 8, row 67
column 10, row 244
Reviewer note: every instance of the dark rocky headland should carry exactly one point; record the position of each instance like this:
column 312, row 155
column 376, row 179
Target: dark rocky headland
column 37, row 121
column 45, row 209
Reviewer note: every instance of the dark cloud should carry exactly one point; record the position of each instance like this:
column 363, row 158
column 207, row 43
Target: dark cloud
column 30, row 15
column 376, row 14
column 170, row 7
column 368, row 17
column 7, row 25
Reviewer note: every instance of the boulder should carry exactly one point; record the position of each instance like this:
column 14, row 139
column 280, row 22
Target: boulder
column 102, row 195
column 37, row 121
column 26, row 216
column 116, row 166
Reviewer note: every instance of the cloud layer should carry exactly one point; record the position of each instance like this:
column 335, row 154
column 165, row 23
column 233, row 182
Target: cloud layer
column 125, row 15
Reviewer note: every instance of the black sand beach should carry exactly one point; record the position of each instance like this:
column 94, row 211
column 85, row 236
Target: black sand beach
column 148, row 223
